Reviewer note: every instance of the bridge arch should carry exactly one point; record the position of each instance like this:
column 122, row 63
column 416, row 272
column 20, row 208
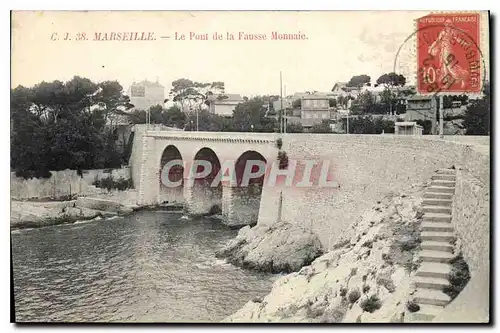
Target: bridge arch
column 171, row 175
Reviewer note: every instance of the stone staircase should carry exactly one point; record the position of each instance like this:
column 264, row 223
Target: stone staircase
column 436, row 248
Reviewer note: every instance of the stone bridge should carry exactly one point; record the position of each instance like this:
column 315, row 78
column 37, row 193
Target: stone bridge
column 153, row 149
column 367, row 168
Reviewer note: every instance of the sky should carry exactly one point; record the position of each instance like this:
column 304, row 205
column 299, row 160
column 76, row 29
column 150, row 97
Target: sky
column 339, row 44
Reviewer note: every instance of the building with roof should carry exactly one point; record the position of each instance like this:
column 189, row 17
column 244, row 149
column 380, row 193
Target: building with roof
column 341, row 89
column 224, row 104
column 421, row 107
column 314, row 109
column 407, row 128
column 146, row 94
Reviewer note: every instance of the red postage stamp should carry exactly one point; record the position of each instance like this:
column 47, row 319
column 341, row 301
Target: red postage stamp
column 448, row 53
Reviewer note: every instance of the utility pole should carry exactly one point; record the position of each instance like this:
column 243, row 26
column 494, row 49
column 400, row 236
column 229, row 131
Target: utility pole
column 281, row 101
column 285, row 119
column 441, row 122
column 196, row 120
column 347, row 127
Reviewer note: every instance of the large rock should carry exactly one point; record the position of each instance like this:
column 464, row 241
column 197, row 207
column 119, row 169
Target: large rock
column 102, row 204
column 281, row 248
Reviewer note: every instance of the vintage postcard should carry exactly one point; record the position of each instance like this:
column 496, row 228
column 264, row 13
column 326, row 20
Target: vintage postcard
column 251, row 167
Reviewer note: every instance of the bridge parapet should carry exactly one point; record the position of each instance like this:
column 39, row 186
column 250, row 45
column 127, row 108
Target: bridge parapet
column 227, row 137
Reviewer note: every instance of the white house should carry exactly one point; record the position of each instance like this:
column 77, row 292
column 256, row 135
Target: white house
column 224, row 104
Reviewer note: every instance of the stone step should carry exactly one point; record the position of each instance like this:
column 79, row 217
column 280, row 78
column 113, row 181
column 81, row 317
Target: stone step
column 443, row 176
column 443, row 183
column 430, row 217
column 437, row 202
column 437, row 246
column 431, row 297
column 436, row 209
column 441, row 189
column 426, row 313
column 447, row 171
column 430, row 282
column 436, row 195
column 440, row 236
column 435, row 256
column 434, row 269
column 437, row 226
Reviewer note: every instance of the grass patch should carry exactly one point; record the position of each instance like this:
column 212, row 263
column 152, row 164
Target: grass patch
column 368, row 244
column 371, row 304
column 353, row 296
column 110, row 183
column 459, row 277
column 412, row 306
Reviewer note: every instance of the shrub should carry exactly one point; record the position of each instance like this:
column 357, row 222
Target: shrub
column 412, row 306
column 409, row 243
column 368, row 244
column 283, row 160
column 366, row 288
column 353, row 296
column 459, row 277
column 386, row 282
column 110, row 183
column 279, row 143
column 343, row 291
column 371, row 304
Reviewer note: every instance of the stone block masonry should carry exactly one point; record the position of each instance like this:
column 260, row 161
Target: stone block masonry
column 366, row 167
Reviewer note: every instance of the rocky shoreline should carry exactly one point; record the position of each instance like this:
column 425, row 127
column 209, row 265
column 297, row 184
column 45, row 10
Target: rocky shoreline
column 366, row 277
column 36, row 214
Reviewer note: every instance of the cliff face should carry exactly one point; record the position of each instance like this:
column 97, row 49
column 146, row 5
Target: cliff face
column 365, row 278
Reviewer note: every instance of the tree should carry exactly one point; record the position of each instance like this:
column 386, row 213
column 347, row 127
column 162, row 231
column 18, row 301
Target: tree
column 297, row 104
column 477, row 115
column 426, row 125
column 58, row 125
column 294, row 128
column 111, row 98
column 389, row 97
column 174, row 117
column 342, row 101
column 323, row 127
column 207, row 122
column 364, row 103
column 192, row 95
column 390, row 80
column 359, row 81
column 370, row 125
column 253, row 113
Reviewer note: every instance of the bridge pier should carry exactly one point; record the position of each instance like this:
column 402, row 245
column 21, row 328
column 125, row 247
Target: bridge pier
column 149, row 175
column 199, row 199
column 227, row 204
column 240, row 205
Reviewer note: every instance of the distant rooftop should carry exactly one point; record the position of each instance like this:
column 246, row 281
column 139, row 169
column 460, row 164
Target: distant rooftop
column 226, row 97
column 147, row 83
column 419, row 98
column 315, row 97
